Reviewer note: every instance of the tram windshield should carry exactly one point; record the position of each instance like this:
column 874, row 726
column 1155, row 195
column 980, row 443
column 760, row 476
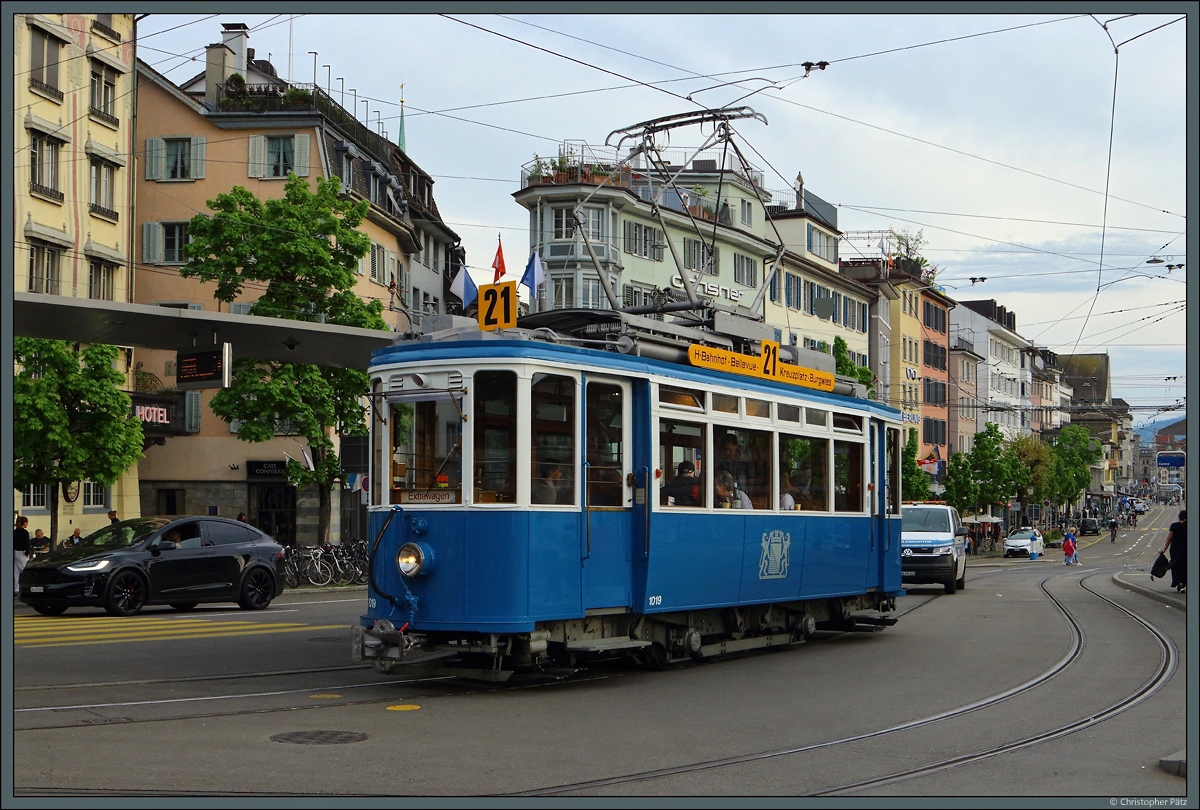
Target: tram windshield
column 426, row 460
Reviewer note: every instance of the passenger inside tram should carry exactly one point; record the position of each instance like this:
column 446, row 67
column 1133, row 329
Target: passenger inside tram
column 684, row 488
column 727, row 494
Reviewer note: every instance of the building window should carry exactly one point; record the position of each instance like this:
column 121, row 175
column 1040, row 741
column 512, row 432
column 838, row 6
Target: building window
column 36, row 496
column 174, row 239
column 593, row 223
column 43, row 63
column 745, row 270
column 747, row 212
column 564, row 223
column 100, row 280
column 821, row 244
column 43, row 165
column 44, row 268
column 281, row 156
column 104, row 92
column 94, row 494
column 102, row 181
column 177, row 164
column 591, row 295
column 643, row 240
column 699, row 256
column 564, row 291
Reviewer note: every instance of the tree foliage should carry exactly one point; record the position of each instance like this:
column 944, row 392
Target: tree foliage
column 990, row 467
column 848, row 368
column 76, row 422
column 915, row 483
column 1031, row 465
column 908, row 255
column 961, row 490
column 1073, row 454
column 304, row 248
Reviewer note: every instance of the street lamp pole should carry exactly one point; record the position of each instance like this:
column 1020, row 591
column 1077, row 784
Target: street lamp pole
column 314, row 56
column 328, row 73
column 342, row 85
column 355, row 113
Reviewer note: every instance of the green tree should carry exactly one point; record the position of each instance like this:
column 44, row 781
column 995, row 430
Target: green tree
column 848, row 368
column 990, row 468
column 304, row 248
column 961, row 490
column 1031, row 464
column 908, row 255
column 1074, row 451
column 75, row 420
column 915, row 482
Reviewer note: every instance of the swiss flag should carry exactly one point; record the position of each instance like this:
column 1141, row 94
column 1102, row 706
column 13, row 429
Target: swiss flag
column 498, row 263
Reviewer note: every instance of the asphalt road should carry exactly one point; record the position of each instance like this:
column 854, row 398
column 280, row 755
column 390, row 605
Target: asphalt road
column 1072, row 678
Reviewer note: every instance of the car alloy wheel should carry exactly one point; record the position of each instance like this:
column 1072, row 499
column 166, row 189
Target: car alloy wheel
column 126, row 594
column 257, row 590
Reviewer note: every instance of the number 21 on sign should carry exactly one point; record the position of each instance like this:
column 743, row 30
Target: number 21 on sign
column 497, row 306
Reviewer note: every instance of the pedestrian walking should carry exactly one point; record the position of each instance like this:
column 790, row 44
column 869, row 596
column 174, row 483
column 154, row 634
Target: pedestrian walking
column 1177, row 545
column 20, row 552
column 1070, row 557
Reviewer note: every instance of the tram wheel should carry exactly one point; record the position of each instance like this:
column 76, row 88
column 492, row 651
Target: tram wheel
column 656, row 657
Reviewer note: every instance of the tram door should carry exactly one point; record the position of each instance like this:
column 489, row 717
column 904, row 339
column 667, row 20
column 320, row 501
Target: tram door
column 606, row 526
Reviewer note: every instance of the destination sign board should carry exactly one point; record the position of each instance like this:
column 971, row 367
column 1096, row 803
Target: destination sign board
column 203, row 367
column 765, row 367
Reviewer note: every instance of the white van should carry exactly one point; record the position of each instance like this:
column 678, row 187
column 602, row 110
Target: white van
column 933, row 545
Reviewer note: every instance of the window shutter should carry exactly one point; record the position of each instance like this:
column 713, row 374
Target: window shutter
column 628, row 236
column 716, row 260
column 192, row 411
column 627, row 292
column 301, row 167
column 197, row 158
column 659, row 245
column 154, row 158
column 151, row 243
column 689, row 253
column 258, row 156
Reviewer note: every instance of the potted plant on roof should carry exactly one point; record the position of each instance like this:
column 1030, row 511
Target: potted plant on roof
column 563, row 164
column 538, row 170
column 696, row 204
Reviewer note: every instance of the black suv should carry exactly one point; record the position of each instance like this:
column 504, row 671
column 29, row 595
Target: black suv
column 1089, row 526
column 176, row 561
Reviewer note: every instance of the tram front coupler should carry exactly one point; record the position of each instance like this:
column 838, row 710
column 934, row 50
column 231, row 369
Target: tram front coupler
column 382, row 643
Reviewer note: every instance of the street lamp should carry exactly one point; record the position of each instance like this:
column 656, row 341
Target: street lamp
column 314, row 56
column 342, row 86
column 328, row 72
column 367, row 112
column 355, row 92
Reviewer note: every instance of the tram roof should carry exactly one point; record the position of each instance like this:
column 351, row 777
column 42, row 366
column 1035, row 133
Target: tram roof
column 630, row 365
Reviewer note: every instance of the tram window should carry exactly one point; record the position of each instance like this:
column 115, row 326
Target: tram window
column 552, row 428
column 803, row 473
column 605, row 444
column 847, row 476
column 787, row 413
column 746, row 455
column 812, row 416
column 682, row 443
column 427, row 452
column 379, row 435
column 893, row 471
column 758, row 407
column 495, row 444
column 680, row 398
column 724, row 403
column 847, row 421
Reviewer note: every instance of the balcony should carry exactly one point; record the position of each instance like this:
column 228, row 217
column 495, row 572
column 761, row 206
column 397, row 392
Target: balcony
column 301, row 98
column 101, row 211
column 104, row 117
column 105, row 31
column 47, row 192
column 46, row 90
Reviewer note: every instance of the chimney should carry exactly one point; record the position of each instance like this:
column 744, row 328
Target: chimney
column 216, row 71
column 235, row 37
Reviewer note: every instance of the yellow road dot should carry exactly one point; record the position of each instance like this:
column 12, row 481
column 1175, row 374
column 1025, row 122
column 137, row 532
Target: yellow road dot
column 403, row 707
column 324, row 696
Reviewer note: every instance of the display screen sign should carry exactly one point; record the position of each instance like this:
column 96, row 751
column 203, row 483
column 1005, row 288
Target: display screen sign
column 203, row 367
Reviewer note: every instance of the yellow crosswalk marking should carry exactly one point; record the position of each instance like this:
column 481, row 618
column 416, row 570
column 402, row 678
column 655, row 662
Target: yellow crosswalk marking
column 36, row 634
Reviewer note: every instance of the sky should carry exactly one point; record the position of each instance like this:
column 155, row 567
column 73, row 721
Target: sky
column 1044, row 153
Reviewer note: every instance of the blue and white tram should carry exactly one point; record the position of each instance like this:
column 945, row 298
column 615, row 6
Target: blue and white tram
column 535, row 505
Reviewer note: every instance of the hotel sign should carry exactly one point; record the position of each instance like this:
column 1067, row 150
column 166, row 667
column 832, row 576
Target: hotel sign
column 765, row 367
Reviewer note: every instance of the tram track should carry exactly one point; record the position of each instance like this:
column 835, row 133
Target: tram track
column 1167, row 665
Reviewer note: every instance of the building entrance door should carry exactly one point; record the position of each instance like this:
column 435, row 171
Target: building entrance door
column 273, row 510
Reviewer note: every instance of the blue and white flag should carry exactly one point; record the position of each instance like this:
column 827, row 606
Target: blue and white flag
column 464, row 287
column 533, row 276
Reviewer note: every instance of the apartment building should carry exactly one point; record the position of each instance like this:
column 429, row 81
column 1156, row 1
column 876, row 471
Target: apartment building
column 72, row 196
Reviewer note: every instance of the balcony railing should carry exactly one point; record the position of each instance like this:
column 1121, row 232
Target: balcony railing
column 101, row 211
column 104, row 30
column 46, row 191
column 46, row 89
column 106, row 117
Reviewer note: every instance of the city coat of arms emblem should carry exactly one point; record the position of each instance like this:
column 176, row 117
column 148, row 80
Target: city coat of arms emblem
column 773, row 564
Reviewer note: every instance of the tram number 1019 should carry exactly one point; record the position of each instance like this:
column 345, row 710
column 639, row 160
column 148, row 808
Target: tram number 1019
column 654, row 600
column 497, row 306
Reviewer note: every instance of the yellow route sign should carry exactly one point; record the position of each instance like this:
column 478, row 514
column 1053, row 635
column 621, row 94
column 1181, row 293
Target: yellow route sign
column 497, row 306
column 766, row 366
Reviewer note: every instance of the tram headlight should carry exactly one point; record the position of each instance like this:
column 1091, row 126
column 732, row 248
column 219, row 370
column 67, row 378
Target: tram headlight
column 414, row 559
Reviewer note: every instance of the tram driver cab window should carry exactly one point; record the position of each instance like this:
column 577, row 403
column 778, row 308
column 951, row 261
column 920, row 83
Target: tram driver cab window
column 552, row 429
